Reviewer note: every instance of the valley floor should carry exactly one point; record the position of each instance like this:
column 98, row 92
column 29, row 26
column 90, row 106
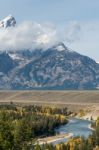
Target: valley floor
column 73, row 100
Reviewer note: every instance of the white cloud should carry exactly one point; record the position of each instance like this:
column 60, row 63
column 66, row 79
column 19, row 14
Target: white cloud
column 88, row 43
column 72, row 32
column 28, row 35
column 80, row 36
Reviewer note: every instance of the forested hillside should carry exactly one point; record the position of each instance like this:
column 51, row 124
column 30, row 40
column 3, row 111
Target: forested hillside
column 20, row 126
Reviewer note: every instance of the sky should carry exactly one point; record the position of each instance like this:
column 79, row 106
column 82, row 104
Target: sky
column 76, row 22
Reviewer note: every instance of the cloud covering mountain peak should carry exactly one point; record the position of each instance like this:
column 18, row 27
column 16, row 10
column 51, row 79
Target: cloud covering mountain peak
column 28, row 35
column 31, row 35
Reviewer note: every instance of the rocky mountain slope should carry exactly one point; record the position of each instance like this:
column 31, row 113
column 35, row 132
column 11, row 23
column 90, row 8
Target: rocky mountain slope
column 50, row 69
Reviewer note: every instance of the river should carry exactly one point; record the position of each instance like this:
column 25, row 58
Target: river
column 75, row 126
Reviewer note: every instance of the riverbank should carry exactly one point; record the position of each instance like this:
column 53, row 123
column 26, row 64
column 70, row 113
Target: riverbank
column 89, row 126
column 53, row 139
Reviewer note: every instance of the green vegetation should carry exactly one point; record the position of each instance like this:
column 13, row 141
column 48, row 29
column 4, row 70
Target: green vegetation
column 20, row 126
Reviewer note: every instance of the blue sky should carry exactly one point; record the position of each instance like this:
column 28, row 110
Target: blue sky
column 58, row 11
column 61, row 12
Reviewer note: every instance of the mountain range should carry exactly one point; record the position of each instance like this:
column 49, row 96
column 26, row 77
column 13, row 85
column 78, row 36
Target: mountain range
column 56, row 68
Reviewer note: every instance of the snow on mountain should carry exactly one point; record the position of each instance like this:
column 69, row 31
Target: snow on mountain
column 9, row 21
column 61, row 47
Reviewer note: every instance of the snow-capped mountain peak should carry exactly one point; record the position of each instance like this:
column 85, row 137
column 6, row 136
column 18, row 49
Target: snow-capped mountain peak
column 9, row 21
column 60, row 47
